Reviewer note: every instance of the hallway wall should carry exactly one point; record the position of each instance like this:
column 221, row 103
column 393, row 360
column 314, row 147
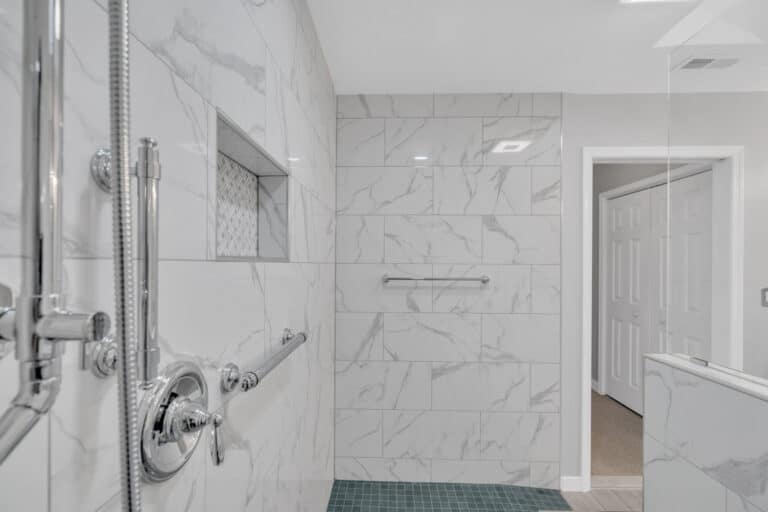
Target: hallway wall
column 262, row 66
column 447, row 381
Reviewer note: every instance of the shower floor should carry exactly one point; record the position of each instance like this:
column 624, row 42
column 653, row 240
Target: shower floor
column 360, row 496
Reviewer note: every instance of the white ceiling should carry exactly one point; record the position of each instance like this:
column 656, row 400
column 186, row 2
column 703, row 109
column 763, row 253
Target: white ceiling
column 425, row 46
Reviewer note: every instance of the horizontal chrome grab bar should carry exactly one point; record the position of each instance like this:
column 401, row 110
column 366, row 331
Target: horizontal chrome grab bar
column 231, row 376
column 481, row 279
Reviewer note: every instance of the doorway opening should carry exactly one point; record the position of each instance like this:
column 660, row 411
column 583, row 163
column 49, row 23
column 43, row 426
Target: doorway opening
column 634, row 210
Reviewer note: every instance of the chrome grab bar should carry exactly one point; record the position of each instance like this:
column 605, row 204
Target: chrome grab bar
column 231, row 376
column 480, row 279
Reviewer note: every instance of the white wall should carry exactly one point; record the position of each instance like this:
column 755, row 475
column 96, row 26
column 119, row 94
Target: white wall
column 261, row 64
column 641, row 120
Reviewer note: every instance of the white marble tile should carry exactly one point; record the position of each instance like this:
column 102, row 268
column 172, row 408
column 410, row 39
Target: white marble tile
column 545, row 475
column 722, row 442
column 736, row 503
column 432, row 337
column 440, row 141
column 431, row 434
column 480, row 386
column 483, row 190
column 359, row 288
column 384, row 190
column 521, row 338
column 480, row 105
column 360, row 142
column 671, row 483
column 545, row 191
column 385, row 105
column 543, row 133
column 382, row 385
column 358, row 433
column 181, row 134
column 521, row 436
column 481, row 472
column 432, row 239
column 386, row 470
column 359, row 336
column 10, row 127
column 545, row 387
column 234, row 326
column 508, row 291
column 273, row 217
column 204, row 45
column 545, row 289
column 521, row 239
column 312, row 226
column 360, row 239
column 299, row 298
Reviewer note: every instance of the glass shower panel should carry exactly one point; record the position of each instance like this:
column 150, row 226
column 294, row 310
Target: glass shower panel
column 717, row 204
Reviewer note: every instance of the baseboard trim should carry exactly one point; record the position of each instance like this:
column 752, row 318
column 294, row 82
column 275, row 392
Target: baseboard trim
column 574, row 484
column 596, row 386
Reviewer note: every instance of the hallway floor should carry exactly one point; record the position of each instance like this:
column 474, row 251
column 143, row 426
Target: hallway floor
column 617, row 438
column 605, row 500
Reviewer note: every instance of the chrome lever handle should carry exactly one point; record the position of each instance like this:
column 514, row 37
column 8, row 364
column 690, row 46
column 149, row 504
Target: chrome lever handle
column 217, row 440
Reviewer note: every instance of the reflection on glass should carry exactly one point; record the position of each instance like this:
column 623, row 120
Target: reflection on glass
column 717, row 240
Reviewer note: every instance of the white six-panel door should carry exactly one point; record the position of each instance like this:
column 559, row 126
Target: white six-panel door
column 638, row 318
column 627, row 304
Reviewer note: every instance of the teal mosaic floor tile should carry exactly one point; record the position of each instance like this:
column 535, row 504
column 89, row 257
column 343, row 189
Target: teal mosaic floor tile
column 360, row 496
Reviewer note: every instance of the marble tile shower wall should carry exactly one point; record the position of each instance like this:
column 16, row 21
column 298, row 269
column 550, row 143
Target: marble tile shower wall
column 260, row 63
column 448, row 382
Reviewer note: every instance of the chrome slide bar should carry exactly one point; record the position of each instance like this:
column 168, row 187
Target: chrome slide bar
column 40, row 321
column 479, row 279
column 231, row 376
column 148, row 185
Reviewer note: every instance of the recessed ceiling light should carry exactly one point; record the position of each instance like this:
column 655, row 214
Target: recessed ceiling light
column 510, row 146
column 421, row 158
column 294, row 159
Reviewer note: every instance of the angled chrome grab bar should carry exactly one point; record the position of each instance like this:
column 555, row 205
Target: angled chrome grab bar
column 231, row 376
column 480, row 279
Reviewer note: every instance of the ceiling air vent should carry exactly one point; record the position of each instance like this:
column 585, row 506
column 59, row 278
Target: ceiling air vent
column 699, row 63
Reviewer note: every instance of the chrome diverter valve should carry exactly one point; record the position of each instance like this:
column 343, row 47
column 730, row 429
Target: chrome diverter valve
column 173, row 415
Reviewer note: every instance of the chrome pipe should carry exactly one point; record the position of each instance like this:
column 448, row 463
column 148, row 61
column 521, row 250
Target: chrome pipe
column 125, row 333
column 42, row 101
column 148, row 183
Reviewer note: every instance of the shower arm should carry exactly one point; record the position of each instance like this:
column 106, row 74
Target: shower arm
column 40, row 319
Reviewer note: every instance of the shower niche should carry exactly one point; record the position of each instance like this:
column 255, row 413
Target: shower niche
column 251, row 198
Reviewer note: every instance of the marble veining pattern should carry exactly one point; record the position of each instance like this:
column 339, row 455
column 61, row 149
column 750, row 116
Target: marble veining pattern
column 720, row 451
column 420, row 193
column 261, row 65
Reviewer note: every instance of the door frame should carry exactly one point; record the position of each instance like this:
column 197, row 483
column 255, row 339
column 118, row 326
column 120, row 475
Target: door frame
column 648, row 154
column 682, row 172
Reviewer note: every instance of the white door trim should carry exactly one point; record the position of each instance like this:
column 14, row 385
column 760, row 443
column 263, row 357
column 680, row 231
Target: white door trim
column 592, row 155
